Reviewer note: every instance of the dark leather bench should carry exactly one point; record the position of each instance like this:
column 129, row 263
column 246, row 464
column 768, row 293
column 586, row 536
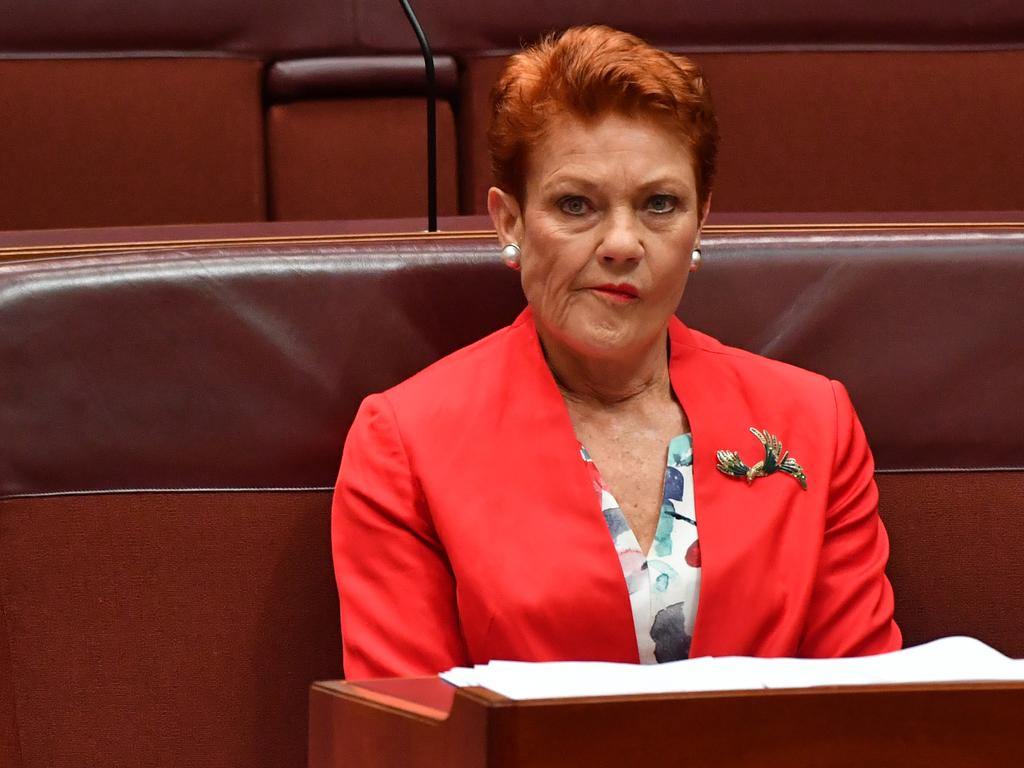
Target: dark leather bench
column 172, row 416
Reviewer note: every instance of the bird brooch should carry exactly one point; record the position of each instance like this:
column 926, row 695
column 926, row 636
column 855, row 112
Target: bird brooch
column 730, row 463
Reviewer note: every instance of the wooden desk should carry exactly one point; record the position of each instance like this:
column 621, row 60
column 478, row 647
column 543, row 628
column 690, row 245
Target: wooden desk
column 420, row 722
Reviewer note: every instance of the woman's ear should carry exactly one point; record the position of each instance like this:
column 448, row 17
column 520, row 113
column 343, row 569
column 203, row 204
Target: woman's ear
column 506, row 215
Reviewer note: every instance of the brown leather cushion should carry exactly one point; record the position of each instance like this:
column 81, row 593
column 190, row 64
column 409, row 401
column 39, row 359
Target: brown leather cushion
column 348, row 76
column 244, row 365
column 838, row 131
column 357, row 158
column 175, row 629
column 87, row 142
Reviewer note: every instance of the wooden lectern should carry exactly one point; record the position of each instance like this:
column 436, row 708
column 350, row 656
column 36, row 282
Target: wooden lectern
column 420, row 722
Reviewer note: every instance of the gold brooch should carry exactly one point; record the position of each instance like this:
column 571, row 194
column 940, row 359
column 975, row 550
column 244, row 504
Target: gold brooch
column 730, row 463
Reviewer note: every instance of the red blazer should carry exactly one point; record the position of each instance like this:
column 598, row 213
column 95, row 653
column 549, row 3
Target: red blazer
column 465, row 527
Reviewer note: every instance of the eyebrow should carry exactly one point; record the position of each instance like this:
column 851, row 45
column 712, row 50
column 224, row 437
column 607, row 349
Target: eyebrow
column 658, row 182
column 665, row 181
column 558, row 178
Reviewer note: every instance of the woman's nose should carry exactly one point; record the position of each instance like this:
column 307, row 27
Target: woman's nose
column 621, row 240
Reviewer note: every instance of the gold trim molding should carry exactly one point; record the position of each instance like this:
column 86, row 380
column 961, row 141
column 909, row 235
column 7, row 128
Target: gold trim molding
column 77, row 249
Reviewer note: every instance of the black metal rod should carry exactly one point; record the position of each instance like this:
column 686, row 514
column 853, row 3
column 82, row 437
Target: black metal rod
column 428, row 60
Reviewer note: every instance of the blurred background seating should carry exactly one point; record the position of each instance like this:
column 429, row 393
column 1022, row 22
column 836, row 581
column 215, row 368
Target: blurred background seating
column 125, row 112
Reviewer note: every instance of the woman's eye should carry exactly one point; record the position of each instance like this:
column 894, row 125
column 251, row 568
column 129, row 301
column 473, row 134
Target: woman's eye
column 574, row 206
column 661, row 204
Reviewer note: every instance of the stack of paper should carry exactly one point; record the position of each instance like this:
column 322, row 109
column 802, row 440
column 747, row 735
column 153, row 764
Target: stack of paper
column 950, row 659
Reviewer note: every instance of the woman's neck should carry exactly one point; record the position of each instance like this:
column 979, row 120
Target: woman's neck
column 610, row 381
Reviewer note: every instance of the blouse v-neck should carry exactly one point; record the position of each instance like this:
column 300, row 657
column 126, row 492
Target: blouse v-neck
column 664, row 583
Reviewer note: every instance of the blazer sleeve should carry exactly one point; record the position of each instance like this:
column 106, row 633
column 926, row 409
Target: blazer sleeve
column 851, row 611
column 396, row 589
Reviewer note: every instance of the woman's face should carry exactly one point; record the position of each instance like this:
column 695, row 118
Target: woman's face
column 609, row 223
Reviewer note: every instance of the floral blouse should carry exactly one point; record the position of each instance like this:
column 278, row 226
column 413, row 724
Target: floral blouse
column 664, row 585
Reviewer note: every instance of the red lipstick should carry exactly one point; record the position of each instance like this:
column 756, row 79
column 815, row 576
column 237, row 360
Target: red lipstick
column 618, row 291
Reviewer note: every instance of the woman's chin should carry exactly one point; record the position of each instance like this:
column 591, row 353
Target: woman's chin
column 600, row 335
column 610, row 340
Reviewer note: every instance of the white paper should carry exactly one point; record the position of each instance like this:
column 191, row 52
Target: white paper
column 950, row 659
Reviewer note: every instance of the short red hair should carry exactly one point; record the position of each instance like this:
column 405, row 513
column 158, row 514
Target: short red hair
column 590, row 71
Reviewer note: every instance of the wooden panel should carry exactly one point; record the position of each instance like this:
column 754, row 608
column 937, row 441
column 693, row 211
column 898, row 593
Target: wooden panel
column 968, row 725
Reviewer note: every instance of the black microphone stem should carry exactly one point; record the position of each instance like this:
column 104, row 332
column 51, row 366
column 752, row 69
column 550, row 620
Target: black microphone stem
column 428, row 60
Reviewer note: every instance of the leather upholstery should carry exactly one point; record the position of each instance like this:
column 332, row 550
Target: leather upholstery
column 245, row 364
column 359, row 76
column 173, row 416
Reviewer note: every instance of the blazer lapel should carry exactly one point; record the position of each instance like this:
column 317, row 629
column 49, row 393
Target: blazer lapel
column 554, row 521
column 739, row 524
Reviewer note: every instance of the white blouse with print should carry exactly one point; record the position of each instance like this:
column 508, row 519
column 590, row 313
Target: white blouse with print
column 664, row 584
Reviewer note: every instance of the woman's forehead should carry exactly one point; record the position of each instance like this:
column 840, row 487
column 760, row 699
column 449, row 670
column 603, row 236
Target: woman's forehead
column 641, row 150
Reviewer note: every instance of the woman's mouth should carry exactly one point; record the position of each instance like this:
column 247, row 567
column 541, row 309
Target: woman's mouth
column 621, row 292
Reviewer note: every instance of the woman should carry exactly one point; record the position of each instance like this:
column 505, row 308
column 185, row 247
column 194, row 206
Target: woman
column 538, row 495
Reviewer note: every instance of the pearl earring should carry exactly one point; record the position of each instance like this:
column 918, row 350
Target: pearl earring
column 695, row 259
column 511, row 254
